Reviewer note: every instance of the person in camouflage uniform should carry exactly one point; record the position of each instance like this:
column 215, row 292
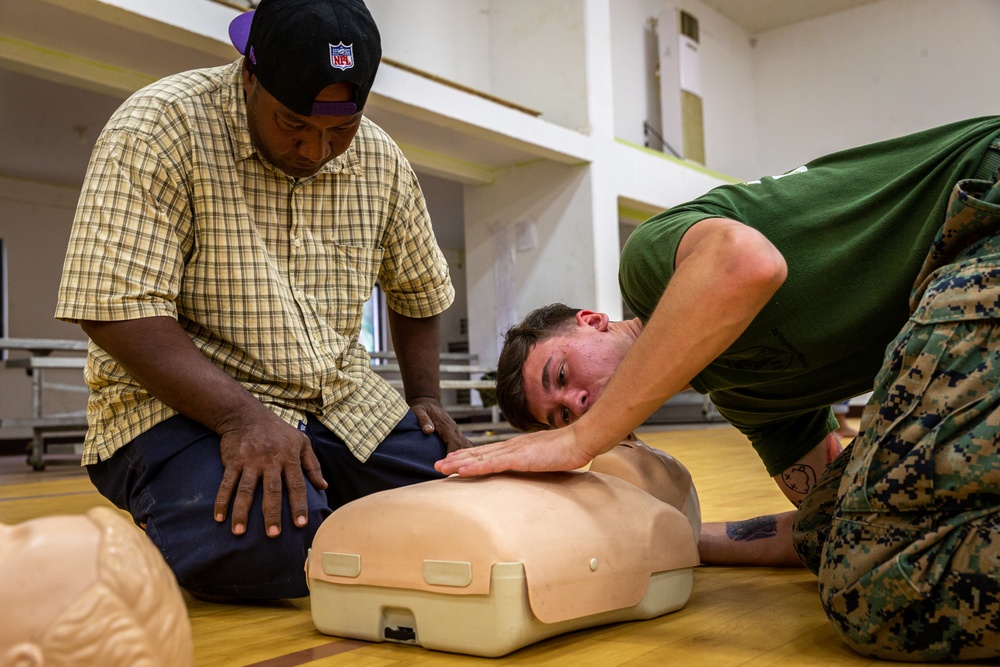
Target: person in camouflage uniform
column 902, row 528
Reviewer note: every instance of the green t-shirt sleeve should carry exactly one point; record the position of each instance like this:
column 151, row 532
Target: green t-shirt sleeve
column 647, row 260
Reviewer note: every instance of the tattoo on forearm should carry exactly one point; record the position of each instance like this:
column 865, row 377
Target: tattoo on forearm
column 799, row 478
column 752, row 529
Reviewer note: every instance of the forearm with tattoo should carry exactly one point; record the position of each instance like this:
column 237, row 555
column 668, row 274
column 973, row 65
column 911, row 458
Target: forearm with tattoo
column 752, row 529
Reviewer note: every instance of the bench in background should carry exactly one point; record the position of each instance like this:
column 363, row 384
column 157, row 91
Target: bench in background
column 460, row 372
column 39, row 360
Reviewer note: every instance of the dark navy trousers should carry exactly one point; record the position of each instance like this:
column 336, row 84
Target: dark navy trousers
column 168, row 477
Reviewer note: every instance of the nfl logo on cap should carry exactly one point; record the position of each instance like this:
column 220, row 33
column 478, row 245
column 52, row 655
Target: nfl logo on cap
column 342, row 56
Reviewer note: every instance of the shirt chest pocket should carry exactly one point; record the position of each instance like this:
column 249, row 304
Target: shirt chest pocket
column 344, row 276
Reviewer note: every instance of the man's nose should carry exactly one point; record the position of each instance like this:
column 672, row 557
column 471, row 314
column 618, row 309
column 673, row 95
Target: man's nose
column 579, row 402
column 315, row 148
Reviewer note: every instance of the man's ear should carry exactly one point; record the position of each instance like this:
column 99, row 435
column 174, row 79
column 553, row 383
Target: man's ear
column 248, row 78
column 588, row 318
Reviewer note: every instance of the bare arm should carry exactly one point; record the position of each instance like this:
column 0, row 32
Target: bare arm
column 762, row 540
column 417, row 344
column 256, row 446
column 799, row 479
column 767, row 540
column 726, row 272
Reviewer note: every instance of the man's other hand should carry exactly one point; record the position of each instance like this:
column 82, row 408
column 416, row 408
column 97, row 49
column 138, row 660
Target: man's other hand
column 433, row 418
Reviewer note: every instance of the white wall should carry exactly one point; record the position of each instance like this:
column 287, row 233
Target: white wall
column 200, row 18
column 650, row 177
column 877, row 71
column 443, row 37
column 538, row 57
column 728, row 96
column 556, row 201
column 777, row 99
column 634, row 92
column 527, row 52
column 35, row 220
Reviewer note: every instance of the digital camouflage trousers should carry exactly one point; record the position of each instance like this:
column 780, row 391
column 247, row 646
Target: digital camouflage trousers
column 903, row 529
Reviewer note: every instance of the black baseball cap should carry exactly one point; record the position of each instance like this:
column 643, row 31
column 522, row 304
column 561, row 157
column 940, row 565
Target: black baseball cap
column 296, row 48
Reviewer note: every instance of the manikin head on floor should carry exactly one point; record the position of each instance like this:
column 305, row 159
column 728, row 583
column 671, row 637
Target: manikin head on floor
column 88, row 590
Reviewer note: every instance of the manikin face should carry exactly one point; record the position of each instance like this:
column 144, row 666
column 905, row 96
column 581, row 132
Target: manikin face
column 298, row 145
column 45, row 564
column 565, row 374
column 78, row 584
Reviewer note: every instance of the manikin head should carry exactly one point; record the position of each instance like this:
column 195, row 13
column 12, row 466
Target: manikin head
column 88, row 590
column 556, row 363
column 655, row 472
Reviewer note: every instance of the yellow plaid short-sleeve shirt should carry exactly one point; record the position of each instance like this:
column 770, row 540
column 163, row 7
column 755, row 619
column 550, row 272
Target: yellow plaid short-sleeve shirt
column 180, row 216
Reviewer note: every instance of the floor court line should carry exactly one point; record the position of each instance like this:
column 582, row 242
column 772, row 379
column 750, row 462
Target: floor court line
column 49, row 495
column 310, row 654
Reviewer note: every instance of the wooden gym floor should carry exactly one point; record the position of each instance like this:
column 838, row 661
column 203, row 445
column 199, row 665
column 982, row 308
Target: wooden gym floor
column 736, row 616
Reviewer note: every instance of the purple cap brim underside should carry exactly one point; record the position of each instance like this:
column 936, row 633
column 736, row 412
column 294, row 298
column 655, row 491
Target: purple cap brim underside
column 239, row 31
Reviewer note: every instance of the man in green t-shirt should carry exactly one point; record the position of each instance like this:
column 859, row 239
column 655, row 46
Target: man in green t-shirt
column 873, row 269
